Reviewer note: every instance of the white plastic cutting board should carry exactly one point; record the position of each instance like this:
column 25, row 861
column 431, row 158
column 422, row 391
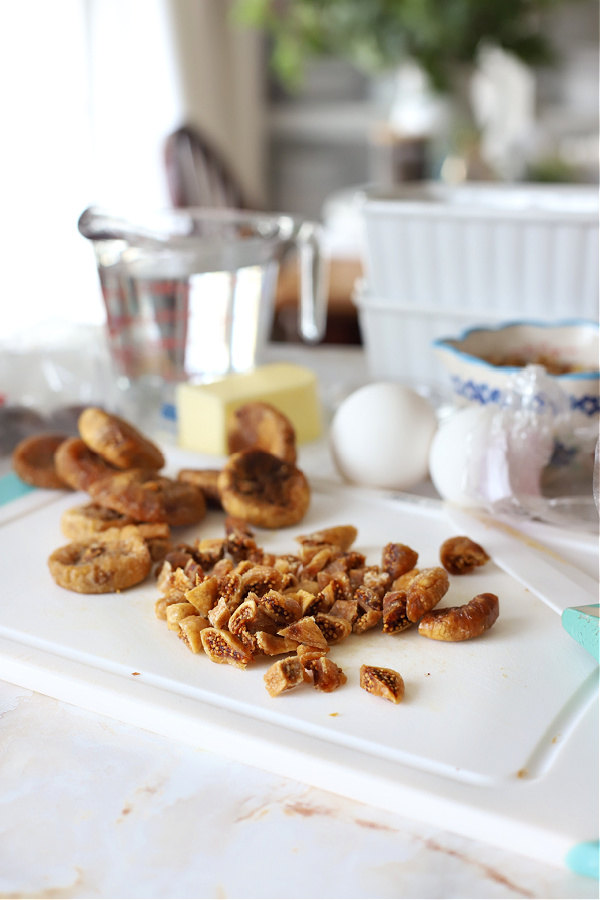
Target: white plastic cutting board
column 496, row 737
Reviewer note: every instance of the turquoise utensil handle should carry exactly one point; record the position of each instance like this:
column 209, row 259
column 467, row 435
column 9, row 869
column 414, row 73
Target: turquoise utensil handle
column 583, row 624
column 584, row 859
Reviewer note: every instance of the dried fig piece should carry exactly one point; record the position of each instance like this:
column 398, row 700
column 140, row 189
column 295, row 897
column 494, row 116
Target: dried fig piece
column 148, row 497
column 261, row 579
column 222, row 647
column 204, row 595
column 342, row 536
column 305, row 631
column 208, row 551
column 345, row 609
column 118, row 441
column 308, row 655
column 284, row 675
column 333, row 628
column 460, row 623
column 190, row 632
column 261, row 426
column 163, row 603
column 230, row 590
column 274, row 644
column 376, row 580
column 367, row 599
column 382, row 682
column 172, row 580
column 263, row 490
column 239, row 542
column 178, row 611
column 205, row 480
column 33, row 461
column 396, row 559
column 314, row 559
column 425, row 591
column 281, row 609
column 220, row 615
column 367, row 620
column 251, row 617
column 115, row 561
column 327, row 675
column 460, row 555
column 395, row 619
column 78, row 466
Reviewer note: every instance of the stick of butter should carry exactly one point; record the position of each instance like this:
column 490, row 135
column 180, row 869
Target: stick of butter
column 204, row 410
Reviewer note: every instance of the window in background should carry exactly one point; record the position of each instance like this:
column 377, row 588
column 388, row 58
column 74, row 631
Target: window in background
column 89, row 94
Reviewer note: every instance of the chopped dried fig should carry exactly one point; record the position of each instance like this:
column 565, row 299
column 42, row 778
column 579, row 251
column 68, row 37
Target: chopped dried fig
column 281, row 608
column 178, row 611
column 345, row 609
column 260, row 579
column 190, row 631
column 334, row 629
column 209, row 551
column 222, row 647
column 382, row 682
column 368, row 620
column 274, row 644
column 425, row 591
column 220, row 614
column 367, row 598
column 305, row 631
column 327, row 676
column 204, row 595
column 460, row 555
column 394, row 612
column 284, row 675
column 308, row 655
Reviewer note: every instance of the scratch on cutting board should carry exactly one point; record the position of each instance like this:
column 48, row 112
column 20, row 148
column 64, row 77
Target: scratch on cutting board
column 488, row 870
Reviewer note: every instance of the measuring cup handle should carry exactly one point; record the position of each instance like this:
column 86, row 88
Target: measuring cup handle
column 314, row 282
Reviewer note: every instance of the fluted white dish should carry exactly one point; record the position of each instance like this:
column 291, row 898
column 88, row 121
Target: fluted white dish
column 515, row 250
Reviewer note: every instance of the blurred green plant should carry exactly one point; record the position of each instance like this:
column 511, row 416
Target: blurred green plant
column 377, row 35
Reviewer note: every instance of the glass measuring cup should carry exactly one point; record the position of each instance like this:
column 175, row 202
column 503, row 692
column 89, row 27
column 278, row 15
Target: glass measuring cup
column 189, row 293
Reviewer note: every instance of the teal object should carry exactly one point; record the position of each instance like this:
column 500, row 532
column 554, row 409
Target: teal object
column 581, row 622
column 11, row 488
column 584, row 859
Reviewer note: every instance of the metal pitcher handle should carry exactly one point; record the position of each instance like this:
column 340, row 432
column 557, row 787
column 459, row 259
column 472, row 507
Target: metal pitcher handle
column 314, row 282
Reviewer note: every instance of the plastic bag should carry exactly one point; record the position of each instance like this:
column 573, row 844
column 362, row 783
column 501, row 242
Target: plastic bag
column 47, row 375
column 525, row 458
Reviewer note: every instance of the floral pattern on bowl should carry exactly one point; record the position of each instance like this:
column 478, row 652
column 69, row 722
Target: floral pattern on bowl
column 472, row 361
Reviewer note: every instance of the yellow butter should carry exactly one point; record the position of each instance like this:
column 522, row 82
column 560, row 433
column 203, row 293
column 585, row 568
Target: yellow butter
column 204, row 410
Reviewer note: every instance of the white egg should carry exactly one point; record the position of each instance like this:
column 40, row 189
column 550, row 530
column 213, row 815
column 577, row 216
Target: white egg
column 380, row 436
column 457, row 455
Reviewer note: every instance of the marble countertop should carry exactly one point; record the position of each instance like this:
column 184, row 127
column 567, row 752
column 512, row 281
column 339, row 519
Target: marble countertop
column 92, row 807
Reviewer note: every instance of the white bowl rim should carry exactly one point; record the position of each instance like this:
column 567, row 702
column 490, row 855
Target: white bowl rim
column 448, row 344
column 570, row 203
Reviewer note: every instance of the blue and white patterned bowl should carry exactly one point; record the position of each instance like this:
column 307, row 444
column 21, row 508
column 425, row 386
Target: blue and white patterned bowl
column 473, row 362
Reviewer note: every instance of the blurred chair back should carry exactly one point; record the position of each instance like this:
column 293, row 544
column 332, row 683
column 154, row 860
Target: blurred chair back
column 197, row 175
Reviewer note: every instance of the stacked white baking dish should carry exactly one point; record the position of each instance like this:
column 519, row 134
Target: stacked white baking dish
column 439, row 259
